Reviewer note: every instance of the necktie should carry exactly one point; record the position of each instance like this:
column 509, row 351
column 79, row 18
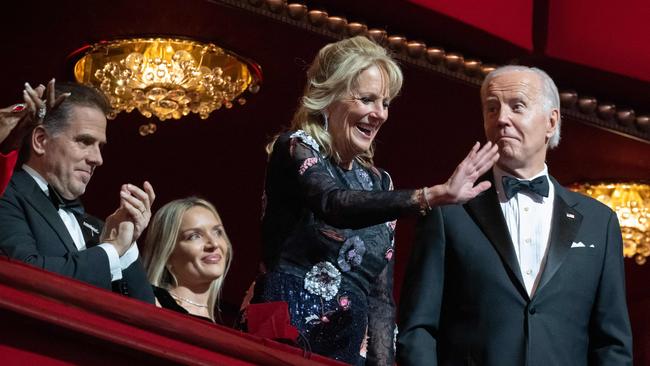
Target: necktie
column 512, row 185
column 61, row 203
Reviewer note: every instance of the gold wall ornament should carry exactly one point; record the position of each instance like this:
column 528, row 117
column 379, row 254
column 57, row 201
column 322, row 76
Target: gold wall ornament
column 165, row 77
column 631, row 202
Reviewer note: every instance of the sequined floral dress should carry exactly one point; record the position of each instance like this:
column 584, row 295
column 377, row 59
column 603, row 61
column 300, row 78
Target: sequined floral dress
column 328, row 248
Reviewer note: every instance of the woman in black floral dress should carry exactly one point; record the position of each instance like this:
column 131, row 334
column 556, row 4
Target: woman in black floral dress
column 329, row 216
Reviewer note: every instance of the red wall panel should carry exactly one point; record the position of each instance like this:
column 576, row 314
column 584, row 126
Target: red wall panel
column 604, row 34
column 511, row 20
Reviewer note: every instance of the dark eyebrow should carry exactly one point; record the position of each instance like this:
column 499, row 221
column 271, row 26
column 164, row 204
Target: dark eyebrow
column 87, row 137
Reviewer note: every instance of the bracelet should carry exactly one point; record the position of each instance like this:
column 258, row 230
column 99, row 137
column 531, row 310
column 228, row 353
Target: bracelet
column 424, row 195
column 422, row 200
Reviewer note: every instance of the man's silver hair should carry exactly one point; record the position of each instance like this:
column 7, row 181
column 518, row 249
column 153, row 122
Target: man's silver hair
column 550, row 93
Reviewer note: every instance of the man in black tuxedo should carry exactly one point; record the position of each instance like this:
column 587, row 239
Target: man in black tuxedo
column 527, row 273
column 42, row 221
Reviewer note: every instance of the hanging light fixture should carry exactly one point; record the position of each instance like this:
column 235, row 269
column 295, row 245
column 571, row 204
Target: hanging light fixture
column 631, row 202
column 166, row 77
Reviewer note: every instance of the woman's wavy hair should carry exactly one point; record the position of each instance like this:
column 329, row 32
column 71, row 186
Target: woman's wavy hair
column 162, row 235
column 333, row 76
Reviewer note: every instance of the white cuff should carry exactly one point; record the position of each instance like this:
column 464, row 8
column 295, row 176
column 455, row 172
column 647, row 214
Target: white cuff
column 130, row 256
column 113, row 261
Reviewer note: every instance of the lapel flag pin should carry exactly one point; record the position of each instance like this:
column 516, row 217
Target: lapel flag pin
column 570, row 215
column 92, row 228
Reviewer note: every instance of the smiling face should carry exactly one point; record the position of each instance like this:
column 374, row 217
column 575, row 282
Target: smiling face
column 515, row 119
column 355, row 120
column 68, row 158
column 201, row 250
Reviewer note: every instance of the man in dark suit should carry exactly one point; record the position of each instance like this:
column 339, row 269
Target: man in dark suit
column 527, row 273
column 42, row 221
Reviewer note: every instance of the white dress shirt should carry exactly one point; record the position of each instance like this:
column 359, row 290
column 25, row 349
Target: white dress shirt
column 116, row 263
column 528, row 216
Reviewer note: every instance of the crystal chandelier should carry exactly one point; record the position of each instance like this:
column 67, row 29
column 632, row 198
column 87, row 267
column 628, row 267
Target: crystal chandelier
column 631, row 201
column 166, row 78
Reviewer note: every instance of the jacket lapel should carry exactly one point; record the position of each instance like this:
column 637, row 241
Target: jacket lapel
column 42, row 204
column 485, row 210
column 564, row 227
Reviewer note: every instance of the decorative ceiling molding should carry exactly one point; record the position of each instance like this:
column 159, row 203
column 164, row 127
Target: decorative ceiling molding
column 582, row 108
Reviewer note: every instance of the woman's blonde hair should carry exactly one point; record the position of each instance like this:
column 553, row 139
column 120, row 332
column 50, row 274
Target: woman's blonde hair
column 332, row 76
column 162, row 235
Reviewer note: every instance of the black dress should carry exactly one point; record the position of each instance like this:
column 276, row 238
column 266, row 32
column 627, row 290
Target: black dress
column 328, row 247
column 167, row 301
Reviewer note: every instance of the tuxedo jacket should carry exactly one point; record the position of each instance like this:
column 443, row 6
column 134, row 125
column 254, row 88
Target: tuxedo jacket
column 464, row 302
column 32, row 231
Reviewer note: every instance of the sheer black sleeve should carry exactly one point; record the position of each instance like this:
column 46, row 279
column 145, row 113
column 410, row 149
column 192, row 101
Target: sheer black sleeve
column 329, row 200
column 381, row 319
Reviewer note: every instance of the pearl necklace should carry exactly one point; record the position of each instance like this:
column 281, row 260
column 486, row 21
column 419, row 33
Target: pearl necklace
column 187, row 300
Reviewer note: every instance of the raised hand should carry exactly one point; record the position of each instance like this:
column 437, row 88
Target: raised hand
column 18, row 120
column 10, row 117
column 51, row 99
column 460, row 187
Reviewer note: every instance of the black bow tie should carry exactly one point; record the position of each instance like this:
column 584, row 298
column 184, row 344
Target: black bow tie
column 61, row 203
column 512, row 185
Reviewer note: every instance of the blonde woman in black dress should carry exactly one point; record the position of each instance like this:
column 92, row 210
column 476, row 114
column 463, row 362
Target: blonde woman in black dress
column 187, row 255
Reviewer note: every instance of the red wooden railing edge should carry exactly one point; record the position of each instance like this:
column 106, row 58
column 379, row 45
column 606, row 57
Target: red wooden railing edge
column 78, row 306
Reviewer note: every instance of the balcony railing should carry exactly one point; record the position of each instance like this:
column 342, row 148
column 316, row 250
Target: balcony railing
column 48, row 319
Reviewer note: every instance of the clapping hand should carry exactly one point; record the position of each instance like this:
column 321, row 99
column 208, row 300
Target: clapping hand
column 118, row 233
column 135, row 208
column 137, row 203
